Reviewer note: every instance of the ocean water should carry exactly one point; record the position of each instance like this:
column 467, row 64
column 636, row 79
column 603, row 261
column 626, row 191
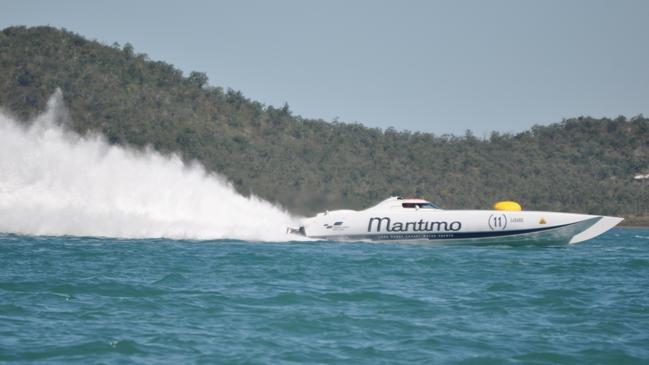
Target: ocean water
column 114, row 301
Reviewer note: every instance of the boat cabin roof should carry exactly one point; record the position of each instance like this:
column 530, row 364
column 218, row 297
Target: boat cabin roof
column 405, row 203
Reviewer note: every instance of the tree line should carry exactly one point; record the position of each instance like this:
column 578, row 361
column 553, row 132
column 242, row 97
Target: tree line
column 581, row 164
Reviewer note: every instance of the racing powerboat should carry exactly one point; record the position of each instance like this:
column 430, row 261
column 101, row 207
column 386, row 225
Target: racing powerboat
column 401, row 219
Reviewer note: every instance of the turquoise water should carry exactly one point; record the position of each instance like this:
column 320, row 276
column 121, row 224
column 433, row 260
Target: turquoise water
column 99, row 300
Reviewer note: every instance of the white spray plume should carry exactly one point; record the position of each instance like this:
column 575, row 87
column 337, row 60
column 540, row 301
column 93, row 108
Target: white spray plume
column 54, row 182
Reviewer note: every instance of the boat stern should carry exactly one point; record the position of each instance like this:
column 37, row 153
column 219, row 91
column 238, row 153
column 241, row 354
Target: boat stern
column 298, row 231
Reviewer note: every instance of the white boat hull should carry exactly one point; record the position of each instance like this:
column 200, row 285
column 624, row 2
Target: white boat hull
column 388, row 223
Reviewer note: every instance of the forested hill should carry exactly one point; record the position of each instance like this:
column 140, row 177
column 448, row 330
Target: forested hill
column 582, row 164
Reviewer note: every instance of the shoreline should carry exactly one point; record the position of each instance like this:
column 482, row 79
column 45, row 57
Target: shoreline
column 635, row 222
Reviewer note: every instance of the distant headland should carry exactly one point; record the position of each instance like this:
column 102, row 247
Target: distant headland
column 581, row 164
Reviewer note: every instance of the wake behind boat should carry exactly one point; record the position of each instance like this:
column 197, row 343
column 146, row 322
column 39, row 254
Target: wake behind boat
column 399, row 219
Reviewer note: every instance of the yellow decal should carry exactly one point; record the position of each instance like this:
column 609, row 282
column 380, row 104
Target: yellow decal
column 508, row 205
column 542, row 221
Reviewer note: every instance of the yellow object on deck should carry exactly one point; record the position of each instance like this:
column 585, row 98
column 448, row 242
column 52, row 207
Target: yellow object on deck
column 508, row 205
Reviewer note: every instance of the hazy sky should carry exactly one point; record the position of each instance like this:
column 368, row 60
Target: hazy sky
column 440, row 67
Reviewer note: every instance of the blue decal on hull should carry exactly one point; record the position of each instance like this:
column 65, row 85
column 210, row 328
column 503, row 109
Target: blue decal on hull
column 443, row 235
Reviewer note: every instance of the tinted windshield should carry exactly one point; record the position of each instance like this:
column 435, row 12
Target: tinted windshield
column 428, row 206
column 420, row 205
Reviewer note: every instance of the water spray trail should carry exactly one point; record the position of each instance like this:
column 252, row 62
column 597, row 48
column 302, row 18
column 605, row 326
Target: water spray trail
column 53, row 182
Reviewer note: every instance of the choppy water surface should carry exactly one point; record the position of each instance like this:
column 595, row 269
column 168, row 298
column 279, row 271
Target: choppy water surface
column 97, row 300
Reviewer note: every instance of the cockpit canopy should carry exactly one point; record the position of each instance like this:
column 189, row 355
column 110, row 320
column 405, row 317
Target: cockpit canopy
column 405, row 203
column 419, row 205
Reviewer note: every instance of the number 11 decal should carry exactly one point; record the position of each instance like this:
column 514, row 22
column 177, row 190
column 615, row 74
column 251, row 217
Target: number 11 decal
column 497, row 221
